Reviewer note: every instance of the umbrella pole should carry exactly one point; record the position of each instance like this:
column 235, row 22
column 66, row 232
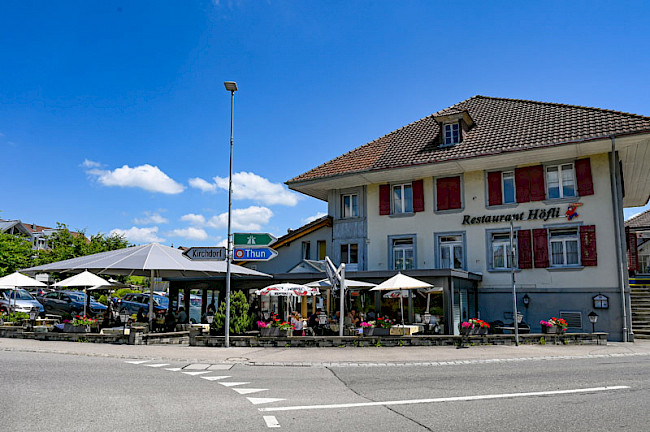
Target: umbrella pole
column 151, row 301
column 401, row 308
column 86, row 301
column 428, row 302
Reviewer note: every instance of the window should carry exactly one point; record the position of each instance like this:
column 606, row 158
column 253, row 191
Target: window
column 508, row 180
column 403, row 254
column 403, row 198
column 501, row 252
column 451, row 251
column 644, row 263
column 452, row 134
column 564, row 247
column 560, row 181
column 448, row 193
column 350, row 253
column 306, row 250
column 349, row 206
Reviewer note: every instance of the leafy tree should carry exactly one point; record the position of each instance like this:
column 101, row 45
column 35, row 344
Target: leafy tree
column 15, row 253
column 240, row 319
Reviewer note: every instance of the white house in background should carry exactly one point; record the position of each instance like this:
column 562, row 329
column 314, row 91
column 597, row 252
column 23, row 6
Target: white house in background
column 437, row 199
column 36, row 234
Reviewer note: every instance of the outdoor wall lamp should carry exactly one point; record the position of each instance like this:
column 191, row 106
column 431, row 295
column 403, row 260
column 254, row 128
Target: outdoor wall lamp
column 526, row 300
column 426, row 318
column 593, row 318
column 124, row 317
column 33, row 314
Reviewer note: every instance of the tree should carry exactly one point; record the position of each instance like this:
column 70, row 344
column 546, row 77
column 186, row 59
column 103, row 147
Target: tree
column 15, row 253
column 240, row 319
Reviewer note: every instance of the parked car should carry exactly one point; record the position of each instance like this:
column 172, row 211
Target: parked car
column 133, row 302
column 71, row 302
column 24, row 302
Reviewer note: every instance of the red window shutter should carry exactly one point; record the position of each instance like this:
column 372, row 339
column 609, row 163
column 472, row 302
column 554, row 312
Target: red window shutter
column 418, row 195
column 583, row 176
column 632, row 251
column 384, row 199
column 537, row 190
column 495, row 194
column 454, row 192
column 522, row 184
column 524, row 250
column 540, row 247
column 442, row 194
column 588, row 245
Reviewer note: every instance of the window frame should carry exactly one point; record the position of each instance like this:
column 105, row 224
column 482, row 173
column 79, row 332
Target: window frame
column 348, row 248
column 438, row 248
column 560, row 181
column 404, row 207
column 352, row 197
column 449, row 127
column 505, row 241
column 503, row 188
column 564, row 239
column 391, row 250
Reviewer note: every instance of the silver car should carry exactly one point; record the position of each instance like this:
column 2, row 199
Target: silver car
column 23, row 301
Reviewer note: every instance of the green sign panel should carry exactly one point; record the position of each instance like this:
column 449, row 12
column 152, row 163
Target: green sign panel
column 253, row 239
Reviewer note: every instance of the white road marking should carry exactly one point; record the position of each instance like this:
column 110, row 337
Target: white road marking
column 136, row 361
column 271, row 422
column 259, row 401
column 215, row 378
column 233, row 384
column 196, row 373
column 447, row 399
column 197, row 366
column 158, row 365
column 248, row 390
column 220, row 367
column 174, row 369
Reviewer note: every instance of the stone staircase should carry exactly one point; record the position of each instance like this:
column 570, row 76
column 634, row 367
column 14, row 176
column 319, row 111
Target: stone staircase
column 640, row 304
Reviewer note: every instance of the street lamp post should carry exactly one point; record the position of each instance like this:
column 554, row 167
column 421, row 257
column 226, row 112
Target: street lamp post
column 231, row 86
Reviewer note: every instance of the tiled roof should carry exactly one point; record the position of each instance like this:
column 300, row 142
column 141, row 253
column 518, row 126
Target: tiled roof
column 642, row 220
column 501, row 125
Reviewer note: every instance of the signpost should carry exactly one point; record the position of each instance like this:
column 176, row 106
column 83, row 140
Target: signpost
column 253, row 239
column 206, row 253
column 254, row 254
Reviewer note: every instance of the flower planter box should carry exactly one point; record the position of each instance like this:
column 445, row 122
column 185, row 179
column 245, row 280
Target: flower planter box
column 69, row 328
column 270, row 332
column 479, row 331
column 552, row 329
column 376, row 331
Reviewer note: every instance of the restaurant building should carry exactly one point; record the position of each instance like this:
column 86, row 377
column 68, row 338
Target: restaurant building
column 438, row 198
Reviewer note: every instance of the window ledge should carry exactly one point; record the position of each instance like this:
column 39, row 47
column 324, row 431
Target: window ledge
column 503, row 270
column 567, row 268
column 501, row 206
column 401, row 215
column 450, row 211
column 560, row 200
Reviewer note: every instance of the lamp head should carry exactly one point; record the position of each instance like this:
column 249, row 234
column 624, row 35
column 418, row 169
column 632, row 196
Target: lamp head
column 231, row 86
column 593, row 317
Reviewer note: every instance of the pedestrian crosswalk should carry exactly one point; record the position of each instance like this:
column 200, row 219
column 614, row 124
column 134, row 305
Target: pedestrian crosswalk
column 202, row 371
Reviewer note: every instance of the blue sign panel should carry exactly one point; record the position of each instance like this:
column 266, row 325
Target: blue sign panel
column 253, row 254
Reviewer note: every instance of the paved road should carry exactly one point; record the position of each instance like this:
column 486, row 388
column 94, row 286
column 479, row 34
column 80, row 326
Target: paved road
column 43, row 390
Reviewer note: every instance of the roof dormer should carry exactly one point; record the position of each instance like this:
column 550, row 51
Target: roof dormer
column 452, row 127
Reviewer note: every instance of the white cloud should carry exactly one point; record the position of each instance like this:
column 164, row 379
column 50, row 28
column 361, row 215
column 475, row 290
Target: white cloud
column 189, row 233
column 199, row 183
column 318, row 215
column 150, row 218
column 90, row 164
column 250, row 186
column 193, row 219
column 248, row 219
column 147, row 177
column 139, row 235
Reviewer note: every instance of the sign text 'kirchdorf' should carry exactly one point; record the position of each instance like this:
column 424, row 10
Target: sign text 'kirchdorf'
column 206, row 253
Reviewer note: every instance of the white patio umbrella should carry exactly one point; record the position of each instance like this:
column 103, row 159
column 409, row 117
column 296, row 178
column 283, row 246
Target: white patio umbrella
column 287, row 290
column 401, row 282
column 349, row 283
column 15, row 280
column 84, row 279
column 396, row 294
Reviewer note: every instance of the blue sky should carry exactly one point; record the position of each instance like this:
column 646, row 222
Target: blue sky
column 113, row 115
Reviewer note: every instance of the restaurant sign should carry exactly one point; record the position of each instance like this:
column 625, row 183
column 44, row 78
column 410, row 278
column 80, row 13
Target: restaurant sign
column 536, row 214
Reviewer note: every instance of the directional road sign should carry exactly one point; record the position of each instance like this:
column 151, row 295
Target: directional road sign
column 253, row 254
column 206, row 253
column 253, row 239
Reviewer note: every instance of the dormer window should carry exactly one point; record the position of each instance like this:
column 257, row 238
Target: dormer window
column 452, row 134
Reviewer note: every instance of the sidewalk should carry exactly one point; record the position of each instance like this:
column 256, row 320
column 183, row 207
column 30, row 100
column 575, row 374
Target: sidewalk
column 326, row 356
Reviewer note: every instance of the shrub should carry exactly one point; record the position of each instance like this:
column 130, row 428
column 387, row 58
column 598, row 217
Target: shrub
column 240, row 319
column 122, row 291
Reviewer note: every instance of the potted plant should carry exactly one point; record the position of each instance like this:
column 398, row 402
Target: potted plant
column 474, row 326
column 268, row 329
column 366, row 327
column 79, row 324
column 382, row 327
column 554, row 325
column 285, row 327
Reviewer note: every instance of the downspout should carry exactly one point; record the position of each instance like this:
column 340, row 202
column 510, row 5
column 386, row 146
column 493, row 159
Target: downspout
column 616, row 196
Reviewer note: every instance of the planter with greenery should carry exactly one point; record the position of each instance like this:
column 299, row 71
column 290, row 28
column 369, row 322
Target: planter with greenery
column 240, row 319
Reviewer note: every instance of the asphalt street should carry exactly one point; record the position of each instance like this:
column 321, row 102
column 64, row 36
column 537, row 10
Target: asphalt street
column 87, row 388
